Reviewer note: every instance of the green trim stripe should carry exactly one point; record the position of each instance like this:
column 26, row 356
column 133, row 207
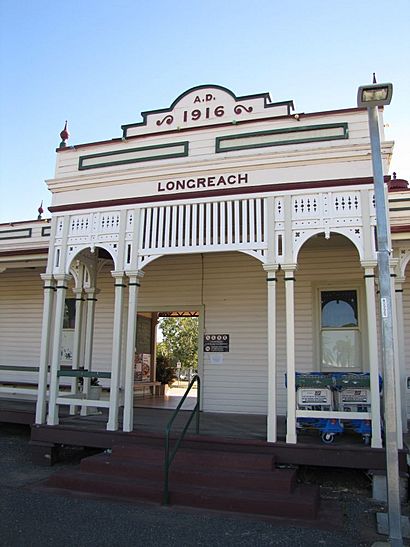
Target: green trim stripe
column 20, row 233
column 278, row 137
column 134, row 155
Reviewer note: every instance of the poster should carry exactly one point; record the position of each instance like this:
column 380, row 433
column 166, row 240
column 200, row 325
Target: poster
column 142, row 367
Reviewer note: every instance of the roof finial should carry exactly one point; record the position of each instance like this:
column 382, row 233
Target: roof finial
column 397, row 185
column 374, row 78
column 65, row 135
column 40, row 210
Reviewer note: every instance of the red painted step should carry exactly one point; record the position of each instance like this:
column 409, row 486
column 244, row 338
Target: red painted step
column 302, row 503
column 283, row 480
column 197, row 458
column 240, row 482
column 100, row 485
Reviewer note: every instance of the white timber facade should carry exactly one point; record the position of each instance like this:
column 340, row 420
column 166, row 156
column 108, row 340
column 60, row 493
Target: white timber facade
column 236, row 208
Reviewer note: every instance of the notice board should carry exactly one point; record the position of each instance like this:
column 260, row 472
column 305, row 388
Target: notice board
column 216, row 343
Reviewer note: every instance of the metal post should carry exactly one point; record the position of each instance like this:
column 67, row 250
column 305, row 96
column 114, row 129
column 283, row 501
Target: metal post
column 383, row 257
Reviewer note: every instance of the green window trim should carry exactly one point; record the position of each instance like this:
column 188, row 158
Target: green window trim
column 20, row 233
column 219, row 148
column 117, row 154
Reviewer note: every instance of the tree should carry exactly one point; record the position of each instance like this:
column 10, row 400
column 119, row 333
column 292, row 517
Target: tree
column 180, row 340
column 165, row 372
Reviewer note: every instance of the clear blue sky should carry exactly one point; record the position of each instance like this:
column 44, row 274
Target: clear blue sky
column 98, row 64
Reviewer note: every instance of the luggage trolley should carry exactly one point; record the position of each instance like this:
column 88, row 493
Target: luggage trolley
column 314, row 391
column 353, row 395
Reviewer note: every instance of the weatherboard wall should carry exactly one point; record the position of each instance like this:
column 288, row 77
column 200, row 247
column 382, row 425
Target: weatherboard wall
column 21, row 311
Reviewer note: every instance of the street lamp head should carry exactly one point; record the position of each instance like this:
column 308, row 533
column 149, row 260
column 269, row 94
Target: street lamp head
column 374, row 95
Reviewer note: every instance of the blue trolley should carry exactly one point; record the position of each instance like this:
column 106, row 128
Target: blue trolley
column 352, row 394
column 314, row 391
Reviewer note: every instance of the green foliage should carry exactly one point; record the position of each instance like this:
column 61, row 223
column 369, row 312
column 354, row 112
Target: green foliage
column 180, row 341
column 165, row 371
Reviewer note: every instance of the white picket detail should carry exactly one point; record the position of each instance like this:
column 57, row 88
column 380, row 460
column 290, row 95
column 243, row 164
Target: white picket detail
column 203, row 226
column 235, row 224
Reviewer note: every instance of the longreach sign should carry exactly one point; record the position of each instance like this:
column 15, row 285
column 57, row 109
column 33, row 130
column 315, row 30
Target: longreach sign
column 217, row 181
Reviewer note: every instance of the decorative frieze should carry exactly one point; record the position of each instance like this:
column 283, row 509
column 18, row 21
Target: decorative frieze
column 218, row 225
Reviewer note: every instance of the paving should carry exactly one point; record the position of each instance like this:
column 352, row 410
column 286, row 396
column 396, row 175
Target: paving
column 34, row 517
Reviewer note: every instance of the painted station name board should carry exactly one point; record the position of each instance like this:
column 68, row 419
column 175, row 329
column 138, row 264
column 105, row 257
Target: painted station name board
column 216, row 181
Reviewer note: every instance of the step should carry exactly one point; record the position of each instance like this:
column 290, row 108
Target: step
column 198, row 458
column 303, row 502
column 99, row 485
column 283, row 480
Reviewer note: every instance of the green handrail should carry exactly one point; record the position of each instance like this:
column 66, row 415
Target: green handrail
column 82, row 373
column 169, row 456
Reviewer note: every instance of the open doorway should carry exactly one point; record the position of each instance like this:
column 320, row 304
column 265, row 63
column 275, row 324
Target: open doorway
column 168, row 354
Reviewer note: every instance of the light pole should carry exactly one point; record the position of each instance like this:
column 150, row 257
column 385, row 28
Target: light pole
column 372, row 96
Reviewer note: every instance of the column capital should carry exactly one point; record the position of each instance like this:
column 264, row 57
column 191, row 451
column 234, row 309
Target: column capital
column 288, row 267
column 372, row 264
column 63, row 277
column 62, row 280
column 117, row 274
column 49, row 278
column 271, row 268
column 135, row 273
column 92, row 291
column 394, row 264
column 78, row 291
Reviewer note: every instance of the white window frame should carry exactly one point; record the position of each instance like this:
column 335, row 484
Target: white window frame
column 360, row 329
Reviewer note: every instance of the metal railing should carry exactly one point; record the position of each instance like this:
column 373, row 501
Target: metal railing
column 170, row 455
column 19, row 385
column 82, row 373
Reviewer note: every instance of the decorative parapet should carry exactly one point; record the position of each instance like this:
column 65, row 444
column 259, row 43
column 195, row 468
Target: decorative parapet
column 26, row 240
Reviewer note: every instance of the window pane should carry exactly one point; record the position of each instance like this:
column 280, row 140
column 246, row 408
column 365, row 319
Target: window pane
column 341, row 349
column 339, row 309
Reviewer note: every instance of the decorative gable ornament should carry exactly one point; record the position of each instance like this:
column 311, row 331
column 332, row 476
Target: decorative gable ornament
column 207, row 105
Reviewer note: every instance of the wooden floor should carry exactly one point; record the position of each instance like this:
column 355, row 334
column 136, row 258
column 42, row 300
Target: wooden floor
column 219, row 431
